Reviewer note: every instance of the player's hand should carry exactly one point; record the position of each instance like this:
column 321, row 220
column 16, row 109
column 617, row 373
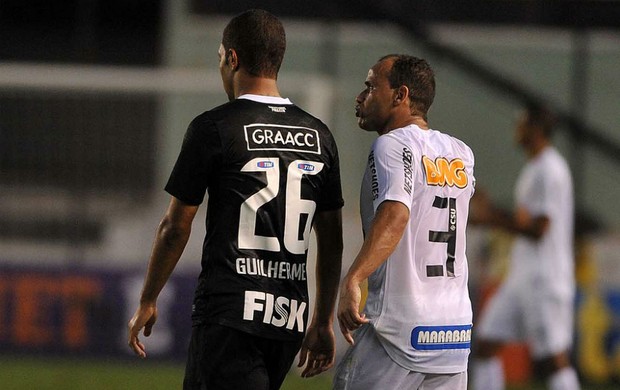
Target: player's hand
column 145, row 317
column 318, row 350
column 349, row 317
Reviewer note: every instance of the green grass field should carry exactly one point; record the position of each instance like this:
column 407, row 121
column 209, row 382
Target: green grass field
column 20, row 373
column 27, row 373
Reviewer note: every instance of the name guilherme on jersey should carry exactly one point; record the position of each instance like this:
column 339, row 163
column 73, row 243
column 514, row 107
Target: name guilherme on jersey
column 260, row 136
column 278, row 311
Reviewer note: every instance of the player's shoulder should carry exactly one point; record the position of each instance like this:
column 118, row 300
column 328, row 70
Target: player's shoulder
column 393, row 139
column 553, row 162
column 220, row 115
column 459, row 147
column 306, row 119
column 201, row 123
column 303, row 112
column 226, row 109
column 217, row 112
column 423, row 139
column 402, row 139
column 552, row 155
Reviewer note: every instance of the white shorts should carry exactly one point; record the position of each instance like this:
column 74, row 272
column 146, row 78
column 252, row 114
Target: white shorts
column 517, row 312
column 366, row 366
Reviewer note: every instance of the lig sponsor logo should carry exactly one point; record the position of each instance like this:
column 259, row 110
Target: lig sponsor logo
column 279, row 137
column 277, row 311
column 425, row 338
column 306, row 167
column 265, row 164
column 443, row 172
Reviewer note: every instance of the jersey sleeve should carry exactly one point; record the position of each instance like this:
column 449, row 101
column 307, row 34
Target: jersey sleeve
column 197, row 160
column 533, row 192
column 331, row 193
column 394, row 171
column 546, row 183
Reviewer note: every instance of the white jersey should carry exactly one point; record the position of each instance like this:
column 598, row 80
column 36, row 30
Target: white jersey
column 418, row 299
column 535, row 303
column 544, row 188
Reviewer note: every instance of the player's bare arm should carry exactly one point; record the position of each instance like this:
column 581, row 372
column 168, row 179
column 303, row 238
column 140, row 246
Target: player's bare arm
column 319, row 347
column 381, row 240
column 484, row 212
column 170, row 240
column 529, row 225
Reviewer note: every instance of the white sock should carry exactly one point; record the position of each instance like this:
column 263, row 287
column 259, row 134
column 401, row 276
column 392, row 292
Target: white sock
column 564, row 379
column 488, row 374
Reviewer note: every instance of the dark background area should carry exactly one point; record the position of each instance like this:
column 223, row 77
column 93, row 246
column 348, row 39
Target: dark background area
column 128, row 31
column 81, row 31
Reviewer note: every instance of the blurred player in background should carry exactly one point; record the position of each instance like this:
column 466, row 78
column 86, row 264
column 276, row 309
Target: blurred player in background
column 415, row 332
column 272, row 173
column 535, row 303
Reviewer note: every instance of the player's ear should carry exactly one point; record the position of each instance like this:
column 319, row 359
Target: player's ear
column 231, row 59
column 401, row 95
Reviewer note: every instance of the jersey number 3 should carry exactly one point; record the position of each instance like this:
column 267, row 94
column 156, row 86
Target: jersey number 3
column 295, row 206
column 449, row 237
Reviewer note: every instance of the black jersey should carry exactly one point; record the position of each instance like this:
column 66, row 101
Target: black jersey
column 268, row 166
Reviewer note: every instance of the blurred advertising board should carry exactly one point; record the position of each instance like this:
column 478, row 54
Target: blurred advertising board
column 85, row 312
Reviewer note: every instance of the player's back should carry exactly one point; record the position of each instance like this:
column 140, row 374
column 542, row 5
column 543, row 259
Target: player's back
column 423, row 310
column 268, row 167
column 544, row 188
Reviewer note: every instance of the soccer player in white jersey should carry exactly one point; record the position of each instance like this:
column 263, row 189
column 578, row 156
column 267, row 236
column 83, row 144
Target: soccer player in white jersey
column 415, row 330
column 535, row 303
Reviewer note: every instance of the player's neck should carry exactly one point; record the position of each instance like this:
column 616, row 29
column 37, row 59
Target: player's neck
column 419, row 121
column 400, row 122
column 246, row 84
column 537, row 148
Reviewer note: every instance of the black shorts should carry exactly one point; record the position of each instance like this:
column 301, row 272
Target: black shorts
column 221, row 357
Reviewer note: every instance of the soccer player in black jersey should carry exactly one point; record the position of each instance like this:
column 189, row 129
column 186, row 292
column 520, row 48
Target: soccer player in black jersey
column 272, row 174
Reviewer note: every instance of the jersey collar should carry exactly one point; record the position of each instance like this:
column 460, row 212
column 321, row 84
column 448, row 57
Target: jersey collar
column 265, row 99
